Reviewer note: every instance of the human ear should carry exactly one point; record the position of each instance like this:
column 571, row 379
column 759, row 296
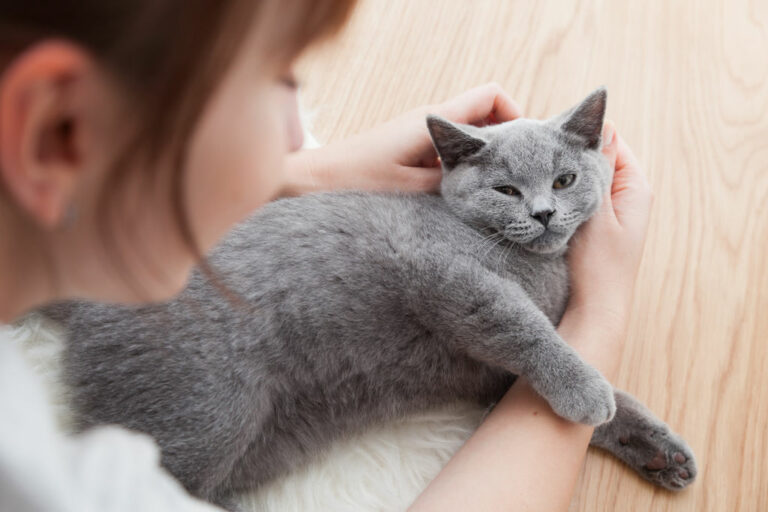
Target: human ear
column 40, row 154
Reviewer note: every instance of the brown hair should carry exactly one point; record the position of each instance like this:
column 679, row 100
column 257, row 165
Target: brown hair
column 168, row 56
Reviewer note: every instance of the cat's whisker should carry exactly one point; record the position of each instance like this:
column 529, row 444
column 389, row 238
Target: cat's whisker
column 486, row 239
column 503, row 256
column 494, row 245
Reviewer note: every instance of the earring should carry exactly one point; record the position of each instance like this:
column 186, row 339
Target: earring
column 70, row 216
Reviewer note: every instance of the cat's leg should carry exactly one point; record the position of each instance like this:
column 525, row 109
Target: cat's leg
column 646, row 444
column 492, row 320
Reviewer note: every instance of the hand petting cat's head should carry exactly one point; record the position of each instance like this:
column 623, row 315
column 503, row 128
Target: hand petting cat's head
column 532, row 181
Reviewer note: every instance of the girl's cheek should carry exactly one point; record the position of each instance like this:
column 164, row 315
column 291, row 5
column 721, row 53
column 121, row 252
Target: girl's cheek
column 235, row 163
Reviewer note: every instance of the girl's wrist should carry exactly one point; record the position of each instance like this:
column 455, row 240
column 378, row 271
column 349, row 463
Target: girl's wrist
column 610, row 311
column 597, row 335
column 304, row 172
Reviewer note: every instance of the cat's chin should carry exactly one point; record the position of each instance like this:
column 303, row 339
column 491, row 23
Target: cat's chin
column 547, row 244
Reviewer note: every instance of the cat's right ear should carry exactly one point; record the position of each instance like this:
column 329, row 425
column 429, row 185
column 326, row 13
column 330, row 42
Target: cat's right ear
column 451, row 142
column 585, row 120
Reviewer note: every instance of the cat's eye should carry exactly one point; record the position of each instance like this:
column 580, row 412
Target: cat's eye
column 510, row 191
column 564, row 180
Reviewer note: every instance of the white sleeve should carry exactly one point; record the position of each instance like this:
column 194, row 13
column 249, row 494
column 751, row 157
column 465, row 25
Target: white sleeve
column 108, row 469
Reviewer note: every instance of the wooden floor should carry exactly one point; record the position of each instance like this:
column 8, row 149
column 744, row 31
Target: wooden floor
column 688, row 87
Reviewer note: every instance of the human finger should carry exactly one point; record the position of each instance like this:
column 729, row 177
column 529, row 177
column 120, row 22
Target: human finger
column 631, row 192
column 609, row 151
column 487, row 102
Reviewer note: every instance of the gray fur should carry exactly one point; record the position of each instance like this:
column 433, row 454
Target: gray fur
column 359, row 308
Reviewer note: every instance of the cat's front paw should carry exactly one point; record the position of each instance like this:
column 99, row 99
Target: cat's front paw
column 582, row 395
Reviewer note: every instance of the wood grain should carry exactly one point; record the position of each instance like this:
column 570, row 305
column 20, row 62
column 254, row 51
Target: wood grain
column 688, row 89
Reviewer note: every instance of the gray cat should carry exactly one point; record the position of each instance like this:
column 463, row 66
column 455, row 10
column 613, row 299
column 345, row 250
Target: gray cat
column 357, row 308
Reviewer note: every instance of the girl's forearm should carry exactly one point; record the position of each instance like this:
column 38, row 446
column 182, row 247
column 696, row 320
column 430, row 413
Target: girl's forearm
column 523, row 457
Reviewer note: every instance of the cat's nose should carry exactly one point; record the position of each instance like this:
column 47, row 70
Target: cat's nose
column 543, row 216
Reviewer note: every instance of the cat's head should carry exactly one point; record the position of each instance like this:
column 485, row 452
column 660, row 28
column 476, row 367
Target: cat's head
column 534, row 182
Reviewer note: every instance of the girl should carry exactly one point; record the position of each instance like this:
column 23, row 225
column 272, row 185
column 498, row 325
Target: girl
column 133, row 134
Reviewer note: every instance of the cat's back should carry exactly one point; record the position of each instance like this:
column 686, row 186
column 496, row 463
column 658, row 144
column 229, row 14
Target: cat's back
column 343, row 217
column 312, row 235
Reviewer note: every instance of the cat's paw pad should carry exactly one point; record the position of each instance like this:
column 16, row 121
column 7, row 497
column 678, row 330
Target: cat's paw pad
column 584, row 396
column 663, row 458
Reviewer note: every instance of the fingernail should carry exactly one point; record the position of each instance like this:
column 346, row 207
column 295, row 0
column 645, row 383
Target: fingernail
column 609, row 133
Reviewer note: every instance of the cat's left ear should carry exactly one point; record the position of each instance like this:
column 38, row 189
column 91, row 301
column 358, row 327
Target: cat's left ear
column 586, row 119
column 452, row 142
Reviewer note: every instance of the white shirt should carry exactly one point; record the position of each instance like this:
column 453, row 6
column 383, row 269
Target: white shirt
column 108, row 469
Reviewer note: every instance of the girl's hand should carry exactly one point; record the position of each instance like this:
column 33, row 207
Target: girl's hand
column 397, row 155
column 605, row 253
